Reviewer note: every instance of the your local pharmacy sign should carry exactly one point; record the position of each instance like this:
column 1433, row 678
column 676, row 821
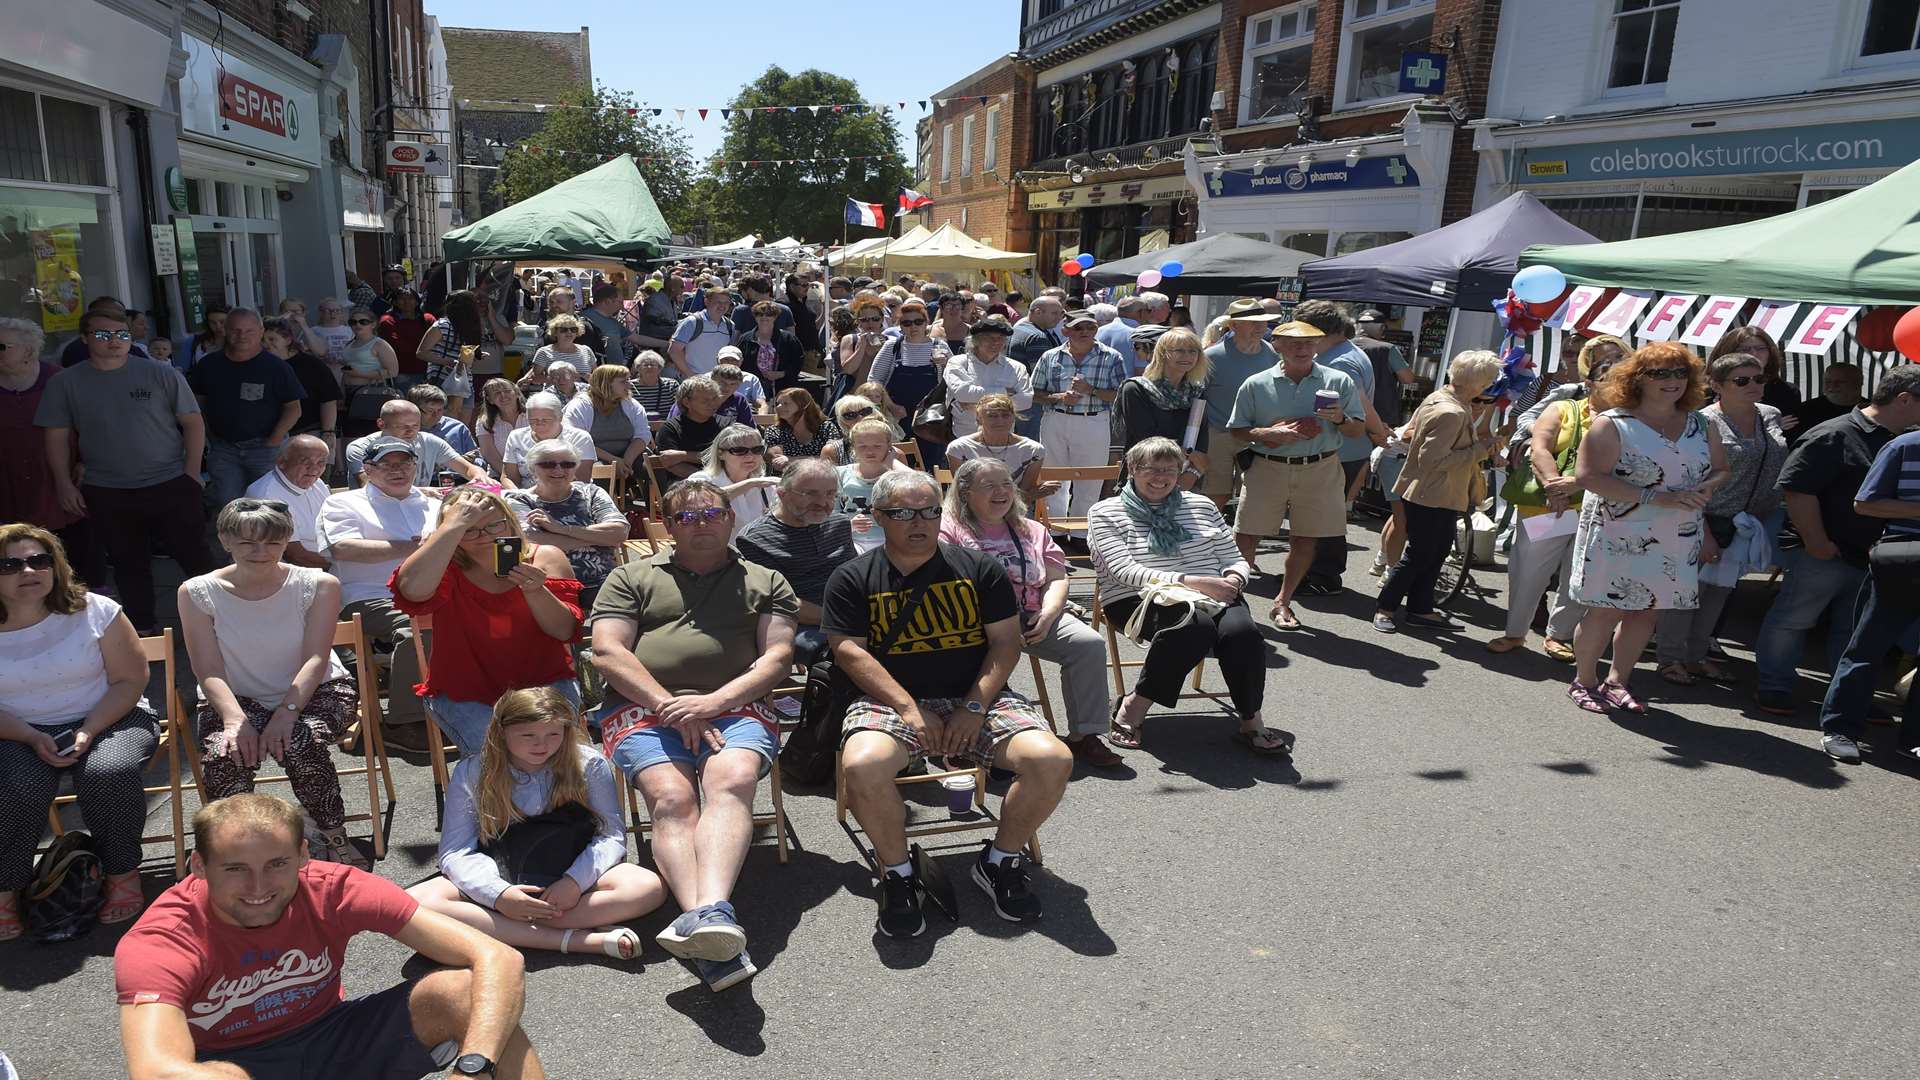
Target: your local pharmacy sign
column 226, row 100
column 1865, row 144
column 1291, row 179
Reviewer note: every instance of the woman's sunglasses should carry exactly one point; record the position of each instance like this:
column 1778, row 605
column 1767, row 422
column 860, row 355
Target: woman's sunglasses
column 746, row 451
column 908, row 513
column 1743, row 380
column 11, row 566
column 359, row 322
column 1665, row 374
column 913, row 322
column 556, row 465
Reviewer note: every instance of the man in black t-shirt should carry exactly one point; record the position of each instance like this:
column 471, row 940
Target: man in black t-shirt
column 681, row 441
column 937, row 688
column 251, row 400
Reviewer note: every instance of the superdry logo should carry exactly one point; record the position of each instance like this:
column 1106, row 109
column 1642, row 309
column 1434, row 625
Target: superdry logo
column 294, row 968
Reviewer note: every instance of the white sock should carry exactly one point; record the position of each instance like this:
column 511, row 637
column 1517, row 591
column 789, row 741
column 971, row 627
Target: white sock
column 995, row 856
column 904, row 869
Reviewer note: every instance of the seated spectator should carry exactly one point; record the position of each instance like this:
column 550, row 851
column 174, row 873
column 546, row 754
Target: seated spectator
column 681, row 445
column 500, row 623
column 1153, row 534
column 184, row 971
column 889, row 411
column 651, row 390
column 141, row 435
column 716, row 632
column 1162, row 399
column 984, row 512
column 575, row 516
column 563, row 381
column 849, row 410
column 608, row 412
column 741, row 397
column 805, row 540
column 251, row 401
column 995, row 440
column 535, row 774
column 295, row 481
column 565, row 331
column 320, row 409
column 432, row 403
column 366, row 531
column 736, row 463
column 803, row 430
column 543, row 423
column 71, row 679
column 401, row 419
column 502, row 412
column 260, row 636
column 928, row 633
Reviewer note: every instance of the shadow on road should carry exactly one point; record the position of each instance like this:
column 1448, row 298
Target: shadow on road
column 732, row 1021
column 1202, row 747
column 1696, row 745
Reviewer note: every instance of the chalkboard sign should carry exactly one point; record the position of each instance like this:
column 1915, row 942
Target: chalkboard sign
column 1433, row 334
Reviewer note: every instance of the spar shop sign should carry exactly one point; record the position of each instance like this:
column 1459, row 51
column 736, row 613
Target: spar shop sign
column 256, row 106
column 230, row 102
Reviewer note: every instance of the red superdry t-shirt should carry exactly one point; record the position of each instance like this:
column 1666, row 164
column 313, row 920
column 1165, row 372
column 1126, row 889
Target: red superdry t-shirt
column 239, row 987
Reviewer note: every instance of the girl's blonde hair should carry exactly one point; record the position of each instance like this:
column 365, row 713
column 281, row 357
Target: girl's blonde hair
column 494, row 499
column 493, row 791
column 600, row 387
column 869, row 426
column 883, row 404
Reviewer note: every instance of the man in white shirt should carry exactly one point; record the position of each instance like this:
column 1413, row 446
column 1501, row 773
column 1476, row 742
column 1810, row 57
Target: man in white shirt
column 367, row 532
column 400, row 419
column 295, row 480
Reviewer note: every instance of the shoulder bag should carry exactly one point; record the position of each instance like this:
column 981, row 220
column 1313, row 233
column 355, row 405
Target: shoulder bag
column 1167, row 607
column 538, row 850
column 1522, row 487
column 369, row 399
column 810, row 750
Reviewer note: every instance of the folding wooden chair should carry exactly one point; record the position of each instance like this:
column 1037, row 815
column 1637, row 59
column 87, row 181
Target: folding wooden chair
column 1119, row 668
column 437, row 744
column 348, row 634
column 984, row 821
column 616, row 483
column 157, row 650
column 1066, row 475
column 655, row 486
column 775, row 819
column 909, row 452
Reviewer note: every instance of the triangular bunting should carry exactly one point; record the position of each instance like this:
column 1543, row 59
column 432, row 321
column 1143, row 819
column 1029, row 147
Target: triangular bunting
column 726, row 114
column 680, row 114
column 923, row 104
column 839, row 108
column 983, row 99
column 657, row 112
column 702, row 112
column 795, row 108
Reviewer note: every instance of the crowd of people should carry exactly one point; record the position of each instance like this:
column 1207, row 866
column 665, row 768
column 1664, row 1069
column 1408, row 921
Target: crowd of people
column 849, row 474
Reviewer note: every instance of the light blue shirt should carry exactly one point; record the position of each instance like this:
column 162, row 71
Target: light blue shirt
column 1270, row 397
column 1118, row 336
column 1102, row 367
column 478, row 876
column 1227, row 368
column 1347, row 358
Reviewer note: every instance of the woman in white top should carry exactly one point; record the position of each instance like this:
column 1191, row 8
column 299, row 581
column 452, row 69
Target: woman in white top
column 260, row 636
column 736, row 463
column 71, row 676
column 332, row 330
column 543, row 423
column 1023, row 457
column 502, row 412
column 608, row 412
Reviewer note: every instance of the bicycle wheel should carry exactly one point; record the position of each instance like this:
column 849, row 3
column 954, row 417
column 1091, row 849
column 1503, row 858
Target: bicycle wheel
column 1458, row 567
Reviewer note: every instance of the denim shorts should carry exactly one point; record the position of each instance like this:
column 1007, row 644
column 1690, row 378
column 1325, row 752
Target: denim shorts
column 1387, row 471
column 465, row 722
column 643, row 748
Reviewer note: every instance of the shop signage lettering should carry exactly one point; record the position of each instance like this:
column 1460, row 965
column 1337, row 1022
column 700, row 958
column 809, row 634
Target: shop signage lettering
column 1384, row 172
column 1822, row 328
column 420, row 158
column 257, row 107
column 1663, row 317
column 1157, row 189
column 1714, row 319
column 1617, row 317
column 1866, row 144
column 227, row 100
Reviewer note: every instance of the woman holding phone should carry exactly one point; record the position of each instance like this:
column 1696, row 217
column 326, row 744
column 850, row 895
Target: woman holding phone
column 504, row 612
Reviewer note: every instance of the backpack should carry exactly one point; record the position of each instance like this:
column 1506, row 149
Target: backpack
column 67, row 889
column 810, row 751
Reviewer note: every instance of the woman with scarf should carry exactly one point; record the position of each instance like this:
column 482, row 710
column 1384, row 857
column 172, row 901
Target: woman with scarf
column 1160, row 400
column 1154, row 535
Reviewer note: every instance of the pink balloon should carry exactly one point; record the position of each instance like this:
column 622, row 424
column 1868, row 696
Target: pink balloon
column 1149, row 278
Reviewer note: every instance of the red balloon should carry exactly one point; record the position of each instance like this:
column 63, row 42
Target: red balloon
column 1071, row 268
column 1906, row 335
column 1875, row 329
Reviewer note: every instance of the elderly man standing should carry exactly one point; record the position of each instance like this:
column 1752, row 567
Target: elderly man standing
column 251, row 400
column 1076, row 384
column 717, row 634
column 1239, row 356
column 1032, row 337
column 400, row 419
column 295, row 480
column 805, row 540
column 368, row 531
column 929, row 633
column 1118, row 334
column 1338, row 352
column 1295, row 415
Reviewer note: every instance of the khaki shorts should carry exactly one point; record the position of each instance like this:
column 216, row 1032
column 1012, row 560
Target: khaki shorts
column 1310, row 499
column 1217, row 483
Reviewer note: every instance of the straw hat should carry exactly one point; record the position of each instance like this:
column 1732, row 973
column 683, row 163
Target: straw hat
column 1249, row 309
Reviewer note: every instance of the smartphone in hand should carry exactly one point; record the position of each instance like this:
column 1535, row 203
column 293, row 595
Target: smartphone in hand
column 63, row 742
column 506, row 555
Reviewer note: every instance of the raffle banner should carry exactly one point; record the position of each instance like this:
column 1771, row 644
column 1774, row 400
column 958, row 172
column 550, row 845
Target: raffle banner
column 1663, row 317
column 1617, row 319
column 1821, row 329
column 1714, row 319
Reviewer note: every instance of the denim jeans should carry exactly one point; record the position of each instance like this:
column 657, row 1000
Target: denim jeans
column 1883, row 623
column 465, row 722
column 1808, row 587
column 231, row 466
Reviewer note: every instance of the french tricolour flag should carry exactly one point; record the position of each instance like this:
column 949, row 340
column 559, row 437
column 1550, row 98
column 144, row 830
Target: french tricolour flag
column 912, row 200
column 870, row 214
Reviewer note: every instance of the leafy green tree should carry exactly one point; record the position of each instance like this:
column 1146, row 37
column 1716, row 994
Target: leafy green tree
column 803, row 197
column 611, row 123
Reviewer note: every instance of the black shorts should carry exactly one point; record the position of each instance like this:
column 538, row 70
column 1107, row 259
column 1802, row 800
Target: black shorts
column 369, row 1037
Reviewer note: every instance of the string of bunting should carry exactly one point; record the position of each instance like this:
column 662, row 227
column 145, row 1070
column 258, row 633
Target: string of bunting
column 535, row 148
column 703, row 112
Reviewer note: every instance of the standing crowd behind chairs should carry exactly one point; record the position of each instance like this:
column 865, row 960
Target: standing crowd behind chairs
column 806, row 509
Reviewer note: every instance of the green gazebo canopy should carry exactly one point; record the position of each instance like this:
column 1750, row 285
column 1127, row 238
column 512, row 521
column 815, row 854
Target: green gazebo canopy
column 606, row 212
column 1861, row 248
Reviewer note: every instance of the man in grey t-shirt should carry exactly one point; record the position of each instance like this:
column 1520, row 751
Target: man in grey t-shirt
column 141, row 440
column 805, row 541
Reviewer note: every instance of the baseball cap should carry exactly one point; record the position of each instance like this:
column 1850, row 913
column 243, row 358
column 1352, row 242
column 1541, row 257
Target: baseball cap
column 1081, row 316
column 1298, row 329
column 384, row 445
column 728, row 352
column 1249, row 309
column 1372, row 315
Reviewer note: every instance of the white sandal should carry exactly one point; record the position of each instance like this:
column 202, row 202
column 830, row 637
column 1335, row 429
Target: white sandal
column 617, row 936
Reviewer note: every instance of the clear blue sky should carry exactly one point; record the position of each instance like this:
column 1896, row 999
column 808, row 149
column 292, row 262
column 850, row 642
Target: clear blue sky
column 702, row 53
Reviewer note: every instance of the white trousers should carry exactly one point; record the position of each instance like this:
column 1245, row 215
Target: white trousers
column 1532, row 566
column 1079, row 441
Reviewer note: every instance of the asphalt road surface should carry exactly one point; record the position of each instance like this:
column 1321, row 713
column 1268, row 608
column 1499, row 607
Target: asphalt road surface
column 1460, row 875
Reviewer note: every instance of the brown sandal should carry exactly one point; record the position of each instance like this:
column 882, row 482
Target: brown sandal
column 124, row 899
column 1505, row 644
column 1120, row 733
column 1677, row 674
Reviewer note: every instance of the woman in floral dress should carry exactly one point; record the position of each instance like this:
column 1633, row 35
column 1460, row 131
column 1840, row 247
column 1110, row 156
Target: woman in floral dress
column 1649, row 468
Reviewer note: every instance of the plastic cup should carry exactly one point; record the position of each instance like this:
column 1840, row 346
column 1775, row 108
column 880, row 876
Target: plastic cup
column 1325, row 399
column 959, row 795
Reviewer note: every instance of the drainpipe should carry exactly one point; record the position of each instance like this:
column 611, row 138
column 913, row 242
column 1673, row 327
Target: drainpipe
column 137, row 122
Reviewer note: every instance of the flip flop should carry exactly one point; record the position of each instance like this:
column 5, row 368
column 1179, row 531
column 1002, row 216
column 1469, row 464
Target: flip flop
column 1267, row 742
column 1677, row 674
column 124, row 900
column 1283, row 617
column 1119, row 732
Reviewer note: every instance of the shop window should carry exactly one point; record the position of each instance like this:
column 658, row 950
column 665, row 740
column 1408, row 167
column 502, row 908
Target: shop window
column 991, row 160
column 1279, row 54
column 74, row 151
column 1311, row 243
column 1893, row 27
column 266, row 270
column 1642, row 42
column 1148, row 118
column 57, row 252
column 1663, row 215
column 1195, row 92
column 946, row 152
column 20, row 157
column 1378, row 32
column 1608, row 217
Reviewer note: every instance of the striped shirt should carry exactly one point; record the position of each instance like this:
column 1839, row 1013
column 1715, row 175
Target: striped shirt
column 1053, row 374
column 899, row 352
column 1126, row 565
column 1895, row 475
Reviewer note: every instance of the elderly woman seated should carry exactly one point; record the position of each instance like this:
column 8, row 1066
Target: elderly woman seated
column 1152, row 536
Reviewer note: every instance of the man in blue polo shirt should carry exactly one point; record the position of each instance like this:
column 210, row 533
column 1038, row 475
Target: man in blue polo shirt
column 1237, row 357
column 1889, row 612
column 1338, row 352
column 1295, row 415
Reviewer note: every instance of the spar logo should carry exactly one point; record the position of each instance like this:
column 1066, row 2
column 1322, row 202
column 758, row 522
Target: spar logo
column 256, row 106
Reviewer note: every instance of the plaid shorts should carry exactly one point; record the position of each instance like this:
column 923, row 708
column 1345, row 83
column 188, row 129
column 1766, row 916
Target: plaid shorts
column 1009, row 715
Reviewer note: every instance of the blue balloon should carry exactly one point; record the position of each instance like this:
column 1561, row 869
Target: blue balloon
column 1085, row 260
column 1538, row 284
column 1171, row 269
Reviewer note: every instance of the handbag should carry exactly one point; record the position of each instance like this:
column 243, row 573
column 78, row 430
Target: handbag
column 1178, row 601
column 538, row 850
column 458, row 384
column 368, row 400
column 933, row 417
column 1522, row 487
column 1721, row 526
column 1894, row 566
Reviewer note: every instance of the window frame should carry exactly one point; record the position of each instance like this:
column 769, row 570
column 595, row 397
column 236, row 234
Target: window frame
column 1614, row 16
column 1352, row 26
column 990, row 154
column 1857, row 58
column 1251, row 54
column 110, row 170
column 966, row 145
column 946, row 152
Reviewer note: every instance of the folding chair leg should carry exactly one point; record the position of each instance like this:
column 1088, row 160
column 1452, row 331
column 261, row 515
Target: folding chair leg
column 779, row 810
column 1040, row 692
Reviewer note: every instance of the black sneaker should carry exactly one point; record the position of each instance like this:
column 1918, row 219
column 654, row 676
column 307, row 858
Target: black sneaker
column 900, row 906
column 1007, row 884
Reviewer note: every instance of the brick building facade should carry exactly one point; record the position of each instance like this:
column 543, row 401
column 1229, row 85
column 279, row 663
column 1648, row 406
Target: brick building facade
column 970, row 149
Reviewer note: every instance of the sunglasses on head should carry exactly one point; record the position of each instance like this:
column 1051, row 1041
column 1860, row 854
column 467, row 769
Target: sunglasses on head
column 908, row 513
column 11, row 566
column 707, row 516
column 1665, row 374
column 1743, row 380
column 851, row 413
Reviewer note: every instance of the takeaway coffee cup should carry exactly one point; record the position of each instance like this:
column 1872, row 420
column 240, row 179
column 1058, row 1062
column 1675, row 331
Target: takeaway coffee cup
column 1325, row 399
column 959, row 795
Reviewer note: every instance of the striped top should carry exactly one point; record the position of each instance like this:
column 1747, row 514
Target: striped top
column 1126, row 566
column 898, row 352
column 1896, row 475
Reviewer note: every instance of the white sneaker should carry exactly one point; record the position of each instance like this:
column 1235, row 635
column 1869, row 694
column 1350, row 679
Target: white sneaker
column 1379, row 566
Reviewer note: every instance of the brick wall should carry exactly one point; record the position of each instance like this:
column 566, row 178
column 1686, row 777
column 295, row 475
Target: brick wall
column 995, row 209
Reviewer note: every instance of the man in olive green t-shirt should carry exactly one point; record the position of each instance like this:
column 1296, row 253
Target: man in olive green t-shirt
column 717, row 632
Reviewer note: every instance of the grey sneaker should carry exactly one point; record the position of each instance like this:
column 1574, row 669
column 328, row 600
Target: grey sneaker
column 1841, row 748
column 722, row 974
column 706, row 933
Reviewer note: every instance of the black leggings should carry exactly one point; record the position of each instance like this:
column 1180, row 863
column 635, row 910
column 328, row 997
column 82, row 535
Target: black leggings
column 1430, row 537
column 1232, row 636
column 108, row 779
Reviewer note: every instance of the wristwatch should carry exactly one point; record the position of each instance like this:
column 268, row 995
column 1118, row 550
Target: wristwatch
column 472, row 1065
column 974, row 707
column 291, row 707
